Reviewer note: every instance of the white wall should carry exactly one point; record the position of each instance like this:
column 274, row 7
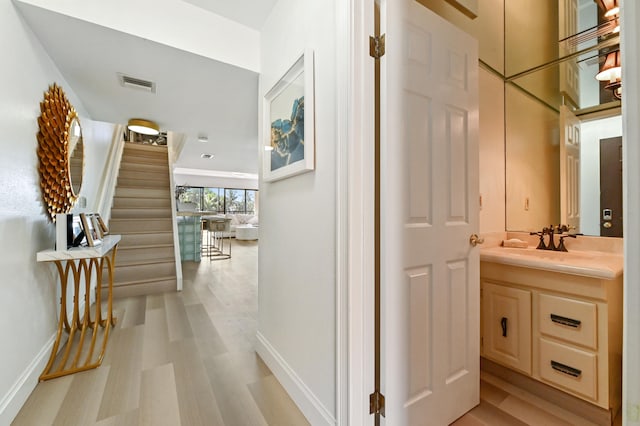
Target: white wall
column 533, row 162
column 492, row 183
column 590, row 134
column 27, row 289
column 297, row 266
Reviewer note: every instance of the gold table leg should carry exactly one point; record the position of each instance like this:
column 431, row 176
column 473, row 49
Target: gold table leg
column 81, row 323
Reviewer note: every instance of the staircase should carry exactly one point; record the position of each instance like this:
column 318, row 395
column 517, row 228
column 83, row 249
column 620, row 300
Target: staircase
column 141, row 214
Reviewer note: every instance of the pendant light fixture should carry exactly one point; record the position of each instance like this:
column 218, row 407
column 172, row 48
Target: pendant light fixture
column 142, row 126
column 611, row 72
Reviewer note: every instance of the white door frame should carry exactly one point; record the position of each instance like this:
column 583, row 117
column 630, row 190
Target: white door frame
column 355, row 215
column 630, row 34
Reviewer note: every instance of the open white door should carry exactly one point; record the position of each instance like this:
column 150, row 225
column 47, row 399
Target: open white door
column 430, row 319
column 569, row 168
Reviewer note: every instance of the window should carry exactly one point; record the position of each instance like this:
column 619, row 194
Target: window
column 219, row 200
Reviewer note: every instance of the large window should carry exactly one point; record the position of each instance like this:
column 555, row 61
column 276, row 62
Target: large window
column 219, row 200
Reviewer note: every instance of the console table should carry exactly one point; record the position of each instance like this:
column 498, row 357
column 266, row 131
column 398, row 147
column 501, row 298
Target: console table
column 80, row 267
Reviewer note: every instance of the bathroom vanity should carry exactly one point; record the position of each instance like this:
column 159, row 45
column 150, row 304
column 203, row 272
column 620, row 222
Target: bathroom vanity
column 556, row 318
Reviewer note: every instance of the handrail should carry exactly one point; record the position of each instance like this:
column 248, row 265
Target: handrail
column 175, row 143
column 110, row 174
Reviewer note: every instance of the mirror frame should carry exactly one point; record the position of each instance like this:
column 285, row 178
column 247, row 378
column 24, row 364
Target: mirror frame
column 54, row 122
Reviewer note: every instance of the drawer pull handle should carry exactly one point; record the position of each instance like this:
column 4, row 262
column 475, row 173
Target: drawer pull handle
column 570, row 322
column 503, row 324
column 573, row 372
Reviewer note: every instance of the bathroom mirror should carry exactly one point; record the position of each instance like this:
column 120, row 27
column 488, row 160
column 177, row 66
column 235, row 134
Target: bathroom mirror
column 60, row 152
column 557, row 67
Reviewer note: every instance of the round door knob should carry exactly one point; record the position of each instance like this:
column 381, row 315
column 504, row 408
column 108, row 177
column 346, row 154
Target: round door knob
column 474, row 240
column 607, row 225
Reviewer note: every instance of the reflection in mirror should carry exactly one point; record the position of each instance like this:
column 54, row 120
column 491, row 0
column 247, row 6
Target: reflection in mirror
column 76, row 155
column 558, row 116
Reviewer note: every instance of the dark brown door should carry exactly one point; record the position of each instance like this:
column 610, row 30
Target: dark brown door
column 611, row 187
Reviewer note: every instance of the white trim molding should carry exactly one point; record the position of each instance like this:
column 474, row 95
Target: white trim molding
column 315, row 412
column 630, row 36
column 12, row 402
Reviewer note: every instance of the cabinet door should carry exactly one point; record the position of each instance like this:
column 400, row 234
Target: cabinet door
column 506, row 322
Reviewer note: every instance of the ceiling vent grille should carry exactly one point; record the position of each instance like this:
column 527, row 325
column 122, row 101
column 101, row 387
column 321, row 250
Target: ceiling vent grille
column 137, row 83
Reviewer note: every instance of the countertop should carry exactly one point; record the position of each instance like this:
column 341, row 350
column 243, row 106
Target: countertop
column 108, row 242
column 593, row 264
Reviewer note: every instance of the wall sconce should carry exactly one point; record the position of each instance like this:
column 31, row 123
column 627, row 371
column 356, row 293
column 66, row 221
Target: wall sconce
column 610, row 7
column 145, row 127
column 612, row 72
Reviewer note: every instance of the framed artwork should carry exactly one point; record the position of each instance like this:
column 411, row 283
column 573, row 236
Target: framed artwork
column 103, row 226
column 289, row 122
column 90, row 232
column 96, row 226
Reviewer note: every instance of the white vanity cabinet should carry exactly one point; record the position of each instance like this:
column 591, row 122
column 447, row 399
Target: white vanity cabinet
column 506, row 325
column 569, row 329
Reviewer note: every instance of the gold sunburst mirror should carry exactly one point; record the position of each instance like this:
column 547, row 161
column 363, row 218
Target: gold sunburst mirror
column 61, row 152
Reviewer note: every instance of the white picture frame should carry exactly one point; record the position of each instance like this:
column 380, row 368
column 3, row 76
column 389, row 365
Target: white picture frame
column 289, row 147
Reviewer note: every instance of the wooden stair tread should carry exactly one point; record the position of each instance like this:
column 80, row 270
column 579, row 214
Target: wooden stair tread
column 143, row 246
column 147, row 232
column 158, row 260
column 144, row 281
column 138, row 219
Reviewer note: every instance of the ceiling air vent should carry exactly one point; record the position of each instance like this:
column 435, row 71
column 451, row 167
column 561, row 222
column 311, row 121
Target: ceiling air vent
column 137, row 83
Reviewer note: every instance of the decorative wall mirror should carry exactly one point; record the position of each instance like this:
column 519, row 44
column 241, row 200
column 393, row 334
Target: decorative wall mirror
column 60, row 151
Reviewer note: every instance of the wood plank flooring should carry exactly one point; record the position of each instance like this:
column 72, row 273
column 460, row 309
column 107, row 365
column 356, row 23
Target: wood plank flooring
column 188, row 359
column 177, row 359
column 502, row 404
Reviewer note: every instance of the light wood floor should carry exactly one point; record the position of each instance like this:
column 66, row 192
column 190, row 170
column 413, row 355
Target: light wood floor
column 177, row 359
column 188, row 359
column 502, row 404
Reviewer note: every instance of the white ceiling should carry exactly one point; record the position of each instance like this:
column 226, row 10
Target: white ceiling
column 251, row 13
column 194, row 95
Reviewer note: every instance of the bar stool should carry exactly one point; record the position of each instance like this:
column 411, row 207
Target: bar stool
column 219, row 230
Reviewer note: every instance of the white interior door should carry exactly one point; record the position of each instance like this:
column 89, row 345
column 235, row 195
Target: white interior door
column 569, row 168
column 430, row 318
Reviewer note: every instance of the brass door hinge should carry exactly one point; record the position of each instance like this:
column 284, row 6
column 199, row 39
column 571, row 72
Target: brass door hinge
column 376, row 46
column 376, row 403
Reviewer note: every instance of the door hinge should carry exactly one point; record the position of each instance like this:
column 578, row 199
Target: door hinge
column 376, row 403
column 376, row 46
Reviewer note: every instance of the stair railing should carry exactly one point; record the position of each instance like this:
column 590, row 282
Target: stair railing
column 109, row 180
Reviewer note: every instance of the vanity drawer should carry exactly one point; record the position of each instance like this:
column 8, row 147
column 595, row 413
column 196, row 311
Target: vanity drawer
column 568, row 319
column 569, row 367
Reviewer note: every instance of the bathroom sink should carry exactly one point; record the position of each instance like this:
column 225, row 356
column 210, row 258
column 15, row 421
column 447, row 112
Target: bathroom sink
column 555, row 256
column 585, row 263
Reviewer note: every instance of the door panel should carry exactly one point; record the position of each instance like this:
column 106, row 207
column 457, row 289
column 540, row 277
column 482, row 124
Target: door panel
column 429, row 192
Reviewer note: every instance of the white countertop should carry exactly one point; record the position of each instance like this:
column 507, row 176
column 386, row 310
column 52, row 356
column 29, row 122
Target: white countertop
column 108, row 242
column 197, row 213
column 594, row 264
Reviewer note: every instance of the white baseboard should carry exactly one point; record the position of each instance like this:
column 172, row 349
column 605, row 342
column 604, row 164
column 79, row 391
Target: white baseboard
column 14, row 399
column 315, row 412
